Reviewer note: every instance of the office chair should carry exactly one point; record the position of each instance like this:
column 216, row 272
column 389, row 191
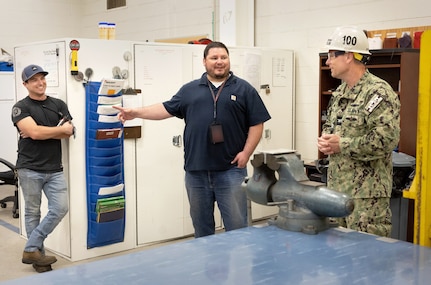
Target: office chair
column 9, row 177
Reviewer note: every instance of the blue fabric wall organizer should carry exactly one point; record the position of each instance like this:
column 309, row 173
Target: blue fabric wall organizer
column 104, row 168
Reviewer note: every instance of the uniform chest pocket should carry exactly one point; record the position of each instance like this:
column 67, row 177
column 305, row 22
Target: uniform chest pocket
column 354, row 120
column 354, row 124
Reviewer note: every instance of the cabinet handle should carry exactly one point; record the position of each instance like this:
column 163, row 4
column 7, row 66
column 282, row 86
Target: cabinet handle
column 176, row 141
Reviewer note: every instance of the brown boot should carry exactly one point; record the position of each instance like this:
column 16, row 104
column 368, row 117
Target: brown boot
column 36, row 257
column 42, row 269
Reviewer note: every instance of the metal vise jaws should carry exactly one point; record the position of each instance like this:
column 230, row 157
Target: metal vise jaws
column 305, row 206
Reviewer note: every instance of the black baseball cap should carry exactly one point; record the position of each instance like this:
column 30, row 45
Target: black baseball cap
column 31, row 71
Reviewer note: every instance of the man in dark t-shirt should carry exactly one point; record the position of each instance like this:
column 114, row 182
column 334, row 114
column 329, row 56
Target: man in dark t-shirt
column 42, row 121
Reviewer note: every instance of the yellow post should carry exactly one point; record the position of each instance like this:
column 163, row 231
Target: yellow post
column 420, row 190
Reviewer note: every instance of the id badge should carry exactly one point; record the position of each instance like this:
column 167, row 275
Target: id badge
column 216, row 133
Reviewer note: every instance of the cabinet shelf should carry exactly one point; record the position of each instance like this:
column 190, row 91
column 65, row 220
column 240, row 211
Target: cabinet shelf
column 383, row 66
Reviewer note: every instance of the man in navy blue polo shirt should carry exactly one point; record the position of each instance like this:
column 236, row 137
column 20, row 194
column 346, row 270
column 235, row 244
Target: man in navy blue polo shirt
column 224, row 118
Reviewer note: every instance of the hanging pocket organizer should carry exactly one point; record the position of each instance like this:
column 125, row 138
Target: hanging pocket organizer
column 104, row 168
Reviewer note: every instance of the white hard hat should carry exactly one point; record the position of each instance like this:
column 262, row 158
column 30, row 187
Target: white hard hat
column 348, row 39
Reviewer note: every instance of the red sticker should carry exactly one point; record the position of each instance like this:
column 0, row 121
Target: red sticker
column 74, row 45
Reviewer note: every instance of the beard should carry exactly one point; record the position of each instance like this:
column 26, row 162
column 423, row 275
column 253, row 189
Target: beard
column 219, row 75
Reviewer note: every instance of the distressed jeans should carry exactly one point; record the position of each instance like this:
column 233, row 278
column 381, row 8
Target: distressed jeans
column 204, row 188
column 54, row 186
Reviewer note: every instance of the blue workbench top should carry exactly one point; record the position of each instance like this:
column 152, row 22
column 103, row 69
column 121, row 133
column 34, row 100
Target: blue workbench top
column 258, row 255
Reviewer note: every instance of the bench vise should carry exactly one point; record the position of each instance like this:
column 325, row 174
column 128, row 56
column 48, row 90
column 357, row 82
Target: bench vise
column 305, row 206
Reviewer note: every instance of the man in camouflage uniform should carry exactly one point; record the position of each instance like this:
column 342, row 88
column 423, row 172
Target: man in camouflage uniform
column 360, row 133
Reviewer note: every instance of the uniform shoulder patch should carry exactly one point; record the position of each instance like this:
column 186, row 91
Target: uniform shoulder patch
column 16, row 111
column 373, row 103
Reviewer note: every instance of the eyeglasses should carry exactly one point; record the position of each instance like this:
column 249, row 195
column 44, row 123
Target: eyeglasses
column 334, row 54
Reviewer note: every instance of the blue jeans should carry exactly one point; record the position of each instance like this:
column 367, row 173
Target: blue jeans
column 54, row 186
column 204, row 188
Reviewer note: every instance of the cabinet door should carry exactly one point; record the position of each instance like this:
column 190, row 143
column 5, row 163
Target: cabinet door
column 278, row 75
column 277, row 92
column 160, row 175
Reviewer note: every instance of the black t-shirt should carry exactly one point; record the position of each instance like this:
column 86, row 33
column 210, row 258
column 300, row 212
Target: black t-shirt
column 40, row 155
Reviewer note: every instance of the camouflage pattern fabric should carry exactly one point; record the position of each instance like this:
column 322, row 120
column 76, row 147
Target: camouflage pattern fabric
column 366, row 117
column 371, row 215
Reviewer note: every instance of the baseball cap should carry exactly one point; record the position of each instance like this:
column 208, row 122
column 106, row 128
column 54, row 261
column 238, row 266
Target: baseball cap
column 31, row 70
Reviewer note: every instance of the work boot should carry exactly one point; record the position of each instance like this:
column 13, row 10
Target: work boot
column 36, row 257
column 42, row 269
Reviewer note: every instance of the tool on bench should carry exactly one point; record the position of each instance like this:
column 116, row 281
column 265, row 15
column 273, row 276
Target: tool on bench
column 305, row 206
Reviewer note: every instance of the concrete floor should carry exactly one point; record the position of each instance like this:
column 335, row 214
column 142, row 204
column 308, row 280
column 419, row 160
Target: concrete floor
column 12, row 245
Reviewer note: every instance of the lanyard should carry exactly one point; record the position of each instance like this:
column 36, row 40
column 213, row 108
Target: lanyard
column 215, row 97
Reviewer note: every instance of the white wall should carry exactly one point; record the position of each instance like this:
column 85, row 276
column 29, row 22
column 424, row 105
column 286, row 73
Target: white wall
column 25, row 21
column 148, row 20
column 299, row 25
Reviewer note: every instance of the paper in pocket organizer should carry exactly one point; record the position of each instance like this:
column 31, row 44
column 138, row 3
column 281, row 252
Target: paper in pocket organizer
column 104, row 141
column 114, row 133
column 110, row 209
